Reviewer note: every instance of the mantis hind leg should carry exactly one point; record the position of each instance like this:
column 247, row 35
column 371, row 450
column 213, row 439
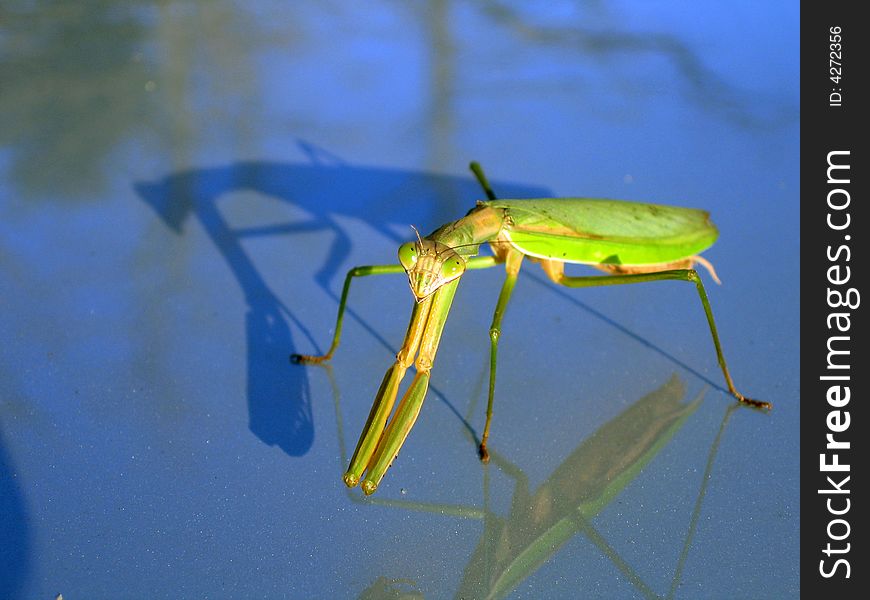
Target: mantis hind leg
column 308, row 359
column 555, row 271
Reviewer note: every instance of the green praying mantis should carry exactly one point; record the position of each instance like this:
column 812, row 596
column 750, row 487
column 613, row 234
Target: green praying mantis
column 630, row 241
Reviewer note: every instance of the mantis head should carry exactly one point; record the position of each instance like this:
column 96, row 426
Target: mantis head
column 429, row 265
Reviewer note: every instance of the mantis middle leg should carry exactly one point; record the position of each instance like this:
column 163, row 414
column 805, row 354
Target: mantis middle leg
column 478, row 262
column 309, row 359
column 513, row 261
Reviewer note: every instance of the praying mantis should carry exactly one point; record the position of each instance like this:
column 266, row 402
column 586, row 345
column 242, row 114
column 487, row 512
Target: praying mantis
column 632, row 242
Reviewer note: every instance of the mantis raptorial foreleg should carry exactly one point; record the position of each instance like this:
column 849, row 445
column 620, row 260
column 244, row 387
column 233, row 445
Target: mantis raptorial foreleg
column 555, row 271
column 379, row 441
column 431, row 325
column 386, row 396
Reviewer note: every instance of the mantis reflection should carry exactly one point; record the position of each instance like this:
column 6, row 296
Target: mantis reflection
column 587, row 481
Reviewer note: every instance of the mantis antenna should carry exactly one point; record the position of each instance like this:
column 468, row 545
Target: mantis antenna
column 419, row 239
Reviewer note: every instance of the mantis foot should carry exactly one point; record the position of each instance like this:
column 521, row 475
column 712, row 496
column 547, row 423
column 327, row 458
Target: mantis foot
column 760, row 404
column 307, row 359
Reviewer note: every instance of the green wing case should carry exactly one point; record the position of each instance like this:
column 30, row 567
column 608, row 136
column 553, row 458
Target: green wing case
column 597, row 231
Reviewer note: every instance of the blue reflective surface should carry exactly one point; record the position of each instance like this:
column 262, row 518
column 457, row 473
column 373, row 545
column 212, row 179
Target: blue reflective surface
column 184, row 187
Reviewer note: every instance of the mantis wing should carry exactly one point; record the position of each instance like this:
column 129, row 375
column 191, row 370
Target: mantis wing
column 596, row 231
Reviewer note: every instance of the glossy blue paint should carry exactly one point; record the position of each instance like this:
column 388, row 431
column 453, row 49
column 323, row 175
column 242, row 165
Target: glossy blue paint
column 182, row 188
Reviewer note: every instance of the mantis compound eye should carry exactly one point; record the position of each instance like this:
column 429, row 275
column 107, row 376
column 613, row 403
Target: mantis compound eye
column 452, row 268
column 408, row 255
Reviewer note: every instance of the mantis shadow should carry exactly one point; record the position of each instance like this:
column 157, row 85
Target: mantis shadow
column 279, row 402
